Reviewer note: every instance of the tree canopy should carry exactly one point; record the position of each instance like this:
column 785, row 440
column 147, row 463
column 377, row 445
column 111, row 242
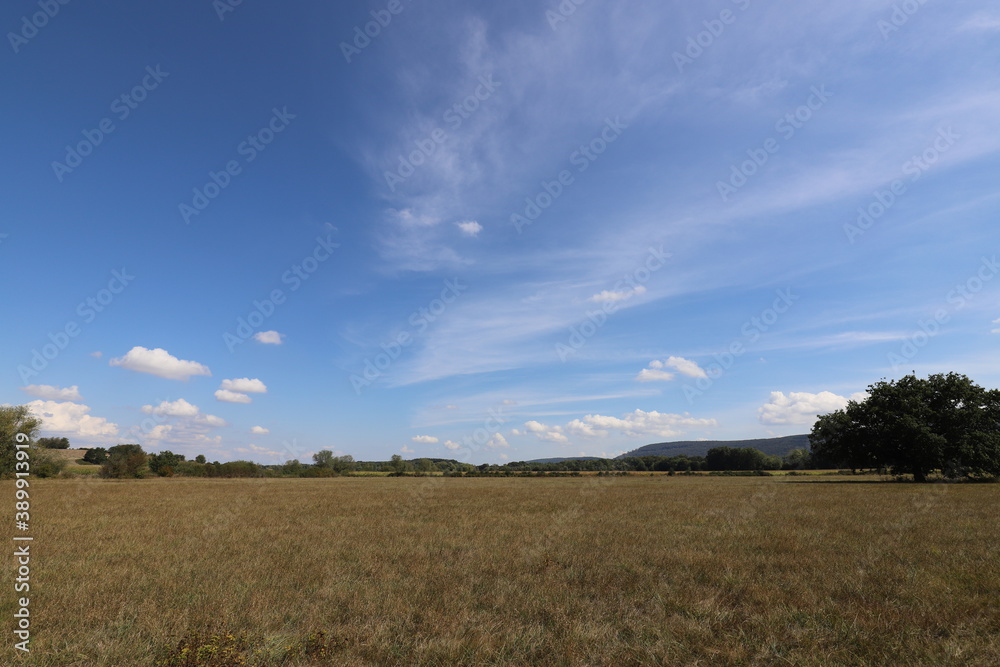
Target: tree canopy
column 916, row 426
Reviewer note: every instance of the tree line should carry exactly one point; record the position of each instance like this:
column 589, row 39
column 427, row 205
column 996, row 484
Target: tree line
column 944, row 424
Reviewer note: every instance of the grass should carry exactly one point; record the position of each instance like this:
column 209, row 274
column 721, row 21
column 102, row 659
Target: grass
column 558, row 571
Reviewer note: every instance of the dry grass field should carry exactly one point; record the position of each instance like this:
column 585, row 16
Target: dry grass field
column 566, row 571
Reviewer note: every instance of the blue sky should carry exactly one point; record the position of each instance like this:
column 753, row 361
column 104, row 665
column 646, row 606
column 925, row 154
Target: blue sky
column 490, row 232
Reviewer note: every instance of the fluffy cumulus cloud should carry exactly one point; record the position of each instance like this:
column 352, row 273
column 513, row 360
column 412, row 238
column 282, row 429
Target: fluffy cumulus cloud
column 259, row 430
column 244, row 385
column 546, row 433
column 227, row 396
column 178, row 408
column 236, row 391
column 51, row 393
column 469, row 228
column 161, row 363
column 800, row 407
column 179, row 423
column 638, row 423
column 269, row 337
column 613, row 296
column 406, row 450
column 452, row 445
column 424, row 439
column 657, row 370
column 497, row 442
column 72, row 419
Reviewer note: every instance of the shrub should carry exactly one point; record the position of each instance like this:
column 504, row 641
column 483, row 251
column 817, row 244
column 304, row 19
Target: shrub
column 124, row 461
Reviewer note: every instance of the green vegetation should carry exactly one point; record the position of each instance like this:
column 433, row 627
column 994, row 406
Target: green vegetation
column 54, row 443
column 912, row 426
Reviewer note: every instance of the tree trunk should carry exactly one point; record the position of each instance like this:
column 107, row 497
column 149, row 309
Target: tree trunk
column 919, row 475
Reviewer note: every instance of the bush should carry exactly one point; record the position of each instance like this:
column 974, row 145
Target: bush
column 124, row 461
column 46, row 464
column 97, row 455
column 54, row 443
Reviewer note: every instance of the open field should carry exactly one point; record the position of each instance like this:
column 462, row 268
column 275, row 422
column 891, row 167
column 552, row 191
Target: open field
column 564, row 571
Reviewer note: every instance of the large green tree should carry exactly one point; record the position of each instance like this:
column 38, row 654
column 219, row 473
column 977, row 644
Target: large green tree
column 15, row 419
column 912, row 425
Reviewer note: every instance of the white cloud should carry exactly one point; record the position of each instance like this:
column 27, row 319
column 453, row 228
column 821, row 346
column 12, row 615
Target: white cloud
column 269, row 337
column 613, row 296
column 245, row 386
column 497, row 442
column 469, row 228
column 655, row 372
column 800, row 407
column 546, row 433
column 159, row 362
column 51, row 393
column 178, row 408
column 189, row 425
column 451, row 444
column 227, row 396
column 425, row 439
column 259, row 430
column 686, row 367
column 97, row 355
column 72, row 419
column 654, row 375
column 996, row 331
column 407, row 450
column 638, row 423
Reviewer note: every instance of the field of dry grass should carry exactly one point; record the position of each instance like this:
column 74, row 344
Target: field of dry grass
column 566, row 571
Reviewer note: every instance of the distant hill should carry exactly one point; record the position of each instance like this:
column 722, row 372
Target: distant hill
column 771, row 446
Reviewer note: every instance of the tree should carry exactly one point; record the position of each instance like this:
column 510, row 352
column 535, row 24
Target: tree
column 343, row 464
column 323, row 459
column 96, row 455
column 424, row 465
column 124, row 461
column 17, row 426
column 916, row 426
column 397, row 464
column 200, row 458
column 797, row 459
column 54, row 443
column 165, row 463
